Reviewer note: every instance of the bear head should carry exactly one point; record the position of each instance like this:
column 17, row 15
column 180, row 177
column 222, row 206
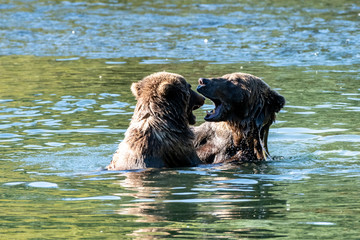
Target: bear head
column 166, row 94
column 242, row 98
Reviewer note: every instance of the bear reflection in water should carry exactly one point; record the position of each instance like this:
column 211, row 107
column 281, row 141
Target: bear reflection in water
column 237, row 129
column 159, row 134
column 159, row 198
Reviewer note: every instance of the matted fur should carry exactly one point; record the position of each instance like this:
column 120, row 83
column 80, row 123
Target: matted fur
column 237, row 130
column 159, row 134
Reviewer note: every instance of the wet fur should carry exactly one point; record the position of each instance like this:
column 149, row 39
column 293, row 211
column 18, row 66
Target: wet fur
column 159, row 134
column 240, row 132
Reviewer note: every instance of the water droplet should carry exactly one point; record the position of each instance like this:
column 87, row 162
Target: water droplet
column 287, row 207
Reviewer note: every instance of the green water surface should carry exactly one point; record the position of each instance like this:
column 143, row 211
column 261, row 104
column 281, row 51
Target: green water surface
column 65, row 103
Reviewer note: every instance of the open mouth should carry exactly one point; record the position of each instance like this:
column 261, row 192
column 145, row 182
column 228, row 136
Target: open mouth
column 215, row 114
column 195, row 102
column 196, row 107
column 192, row 117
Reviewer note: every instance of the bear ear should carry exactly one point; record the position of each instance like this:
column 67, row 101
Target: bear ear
column 276, row 101
column 135, row 89
column 166, row 89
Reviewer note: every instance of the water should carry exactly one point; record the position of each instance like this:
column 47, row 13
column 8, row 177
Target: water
column 66, row 69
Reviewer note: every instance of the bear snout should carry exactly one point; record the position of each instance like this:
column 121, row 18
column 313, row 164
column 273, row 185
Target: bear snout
column 203, row 81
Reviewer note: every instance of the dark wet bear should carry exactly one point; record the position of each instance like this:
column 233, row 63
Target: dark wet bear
column 237, row 129
column 159, row 134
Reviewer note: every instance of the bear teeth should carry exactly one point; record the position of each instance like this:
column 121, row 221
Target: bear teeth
column 210, row 112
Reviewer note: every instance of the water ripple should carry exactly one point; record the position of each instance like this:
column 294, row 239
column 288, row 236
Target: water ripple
column 101, row 198
column 272, row 34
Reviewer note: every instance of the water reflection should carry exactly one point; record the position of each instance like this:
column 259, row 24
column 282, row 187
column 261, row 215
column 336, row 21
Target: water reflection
column 197, row 195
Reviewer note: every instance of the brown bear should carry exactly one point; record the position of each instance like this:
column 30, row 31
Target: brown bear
column 237, row 129
column 159, row 134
